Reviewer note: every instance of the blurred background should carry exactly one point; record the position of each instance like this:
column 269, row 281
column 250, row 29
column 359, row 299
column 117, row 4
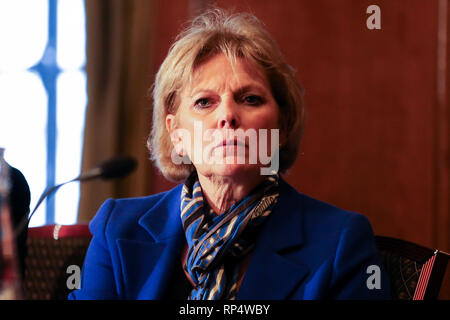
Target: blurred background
column 75, row 75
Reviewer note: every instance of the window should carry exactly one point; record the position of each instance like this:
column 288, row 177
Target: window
column 43, row 98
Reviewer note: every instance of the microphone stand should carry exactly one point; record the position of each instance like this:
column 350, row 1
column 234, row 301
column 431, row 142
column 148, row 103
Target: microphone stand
column 92, row 174
column 113, row 168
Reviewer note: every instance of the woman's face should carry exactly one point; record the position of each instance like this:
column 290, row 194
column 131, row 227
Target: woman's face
column 222, row 117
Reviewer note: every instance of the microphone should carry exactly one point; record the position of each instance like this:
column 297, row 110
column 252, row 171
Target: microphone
column 110, row 169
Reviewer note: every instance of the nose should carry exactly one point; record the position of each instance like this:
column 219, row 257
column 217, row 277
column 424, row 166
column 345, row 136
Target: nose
column 228, row 117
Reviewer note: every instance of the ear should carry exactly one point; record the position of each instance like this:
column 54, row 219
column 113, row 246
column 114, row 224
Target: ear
column 175, row 135
column 170, row 123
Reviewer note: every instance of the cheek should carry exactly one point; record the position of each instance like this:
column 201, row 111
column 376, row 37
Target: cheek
column 267, row 119
column 192, row 138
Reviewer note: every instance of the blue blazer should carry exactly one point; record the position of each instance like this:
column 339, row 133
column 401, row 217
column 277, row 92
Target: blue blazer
column 307, row 249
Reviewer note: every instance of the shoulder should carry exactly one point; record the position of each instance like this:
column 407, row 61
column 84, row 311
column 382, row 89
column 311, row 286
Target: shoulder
column 119, row 217
column 337, row 247
column 317, row 214
column 330, row 217
column 324, row 228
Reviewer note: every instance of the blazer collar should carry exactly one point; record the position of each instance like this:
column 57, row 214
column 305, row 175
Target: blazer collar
column 271, row 274
column 285, row 221
column 163, row 220
column 148, row 265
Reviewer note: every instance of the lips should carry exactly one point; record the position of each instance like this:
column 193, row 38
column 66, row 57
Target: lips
column 230, row 143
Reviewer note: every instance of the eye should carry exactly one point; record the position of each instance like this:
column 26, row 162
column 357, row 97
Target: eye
column 253, row 100
column 202, row 103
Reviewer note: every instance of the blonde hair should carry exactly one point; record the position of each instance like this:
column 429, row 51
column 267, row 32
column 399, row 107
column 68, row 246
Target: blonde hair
column 237, row 36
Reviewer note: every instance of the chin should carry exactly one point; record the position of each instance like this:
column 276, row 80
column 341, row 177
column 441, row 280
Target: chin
column 232, row 170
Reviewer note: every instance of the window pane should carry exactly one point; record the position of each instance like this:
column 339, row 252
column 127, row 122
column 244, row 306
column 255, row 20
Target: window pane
column 71, row 34
column 23, row 118
column 71, row 106
column 23, row 33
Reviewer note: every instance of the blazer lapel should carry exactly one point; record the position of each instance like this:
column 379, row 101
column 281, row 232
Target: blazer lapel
column 271, row 275
column 148, row 265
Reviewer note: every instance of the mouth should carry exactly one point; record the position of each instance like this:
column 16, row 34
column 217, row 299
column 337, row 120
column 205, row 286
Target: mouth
column 230, row 143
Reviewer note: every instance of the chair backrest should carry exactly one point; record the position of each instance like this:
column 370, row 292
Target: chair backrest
column 51, row 250
column 416, row 272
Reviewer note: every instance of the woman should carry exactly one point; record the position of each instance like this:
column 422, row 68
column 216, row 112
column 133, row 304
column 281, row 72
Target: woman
column 234, row 229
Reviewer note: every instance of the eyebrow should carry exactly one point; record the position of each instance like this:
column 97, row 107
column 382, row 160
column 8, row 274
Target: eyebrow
column 240, row 91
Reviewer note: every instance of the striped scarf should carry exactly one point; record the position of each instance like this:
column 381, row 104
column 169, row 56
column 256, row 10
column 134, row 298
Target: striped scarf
column 216, row 243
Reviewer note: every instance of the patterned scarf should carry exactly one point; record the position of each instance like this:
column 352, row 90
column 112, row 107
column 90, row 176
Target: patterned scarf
column 218, row 242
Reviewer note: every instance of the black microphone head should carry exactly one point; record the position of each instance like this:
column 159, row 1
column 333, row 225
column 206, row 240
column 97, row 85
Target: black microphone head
column 117, row 167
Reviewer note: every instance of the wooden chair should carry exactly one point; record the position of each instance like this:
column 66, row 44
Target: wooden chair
column 51, row 250
column 416, row 272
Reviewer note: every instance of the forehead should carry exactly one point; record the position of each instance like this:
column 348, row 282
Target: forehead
column 220, row 72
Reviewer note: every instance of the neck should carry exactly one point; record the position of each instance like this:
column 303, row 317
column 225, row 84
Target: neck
column 222, row 192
